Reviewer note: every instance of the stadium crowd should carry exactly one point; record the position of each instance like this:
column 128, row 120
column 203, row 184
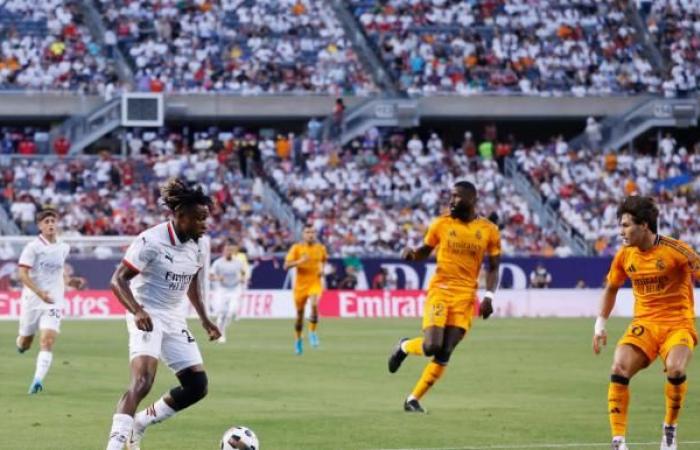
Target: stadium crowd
column 585, row 186
column 47, row 46
column 581, row 47
column 237, row 46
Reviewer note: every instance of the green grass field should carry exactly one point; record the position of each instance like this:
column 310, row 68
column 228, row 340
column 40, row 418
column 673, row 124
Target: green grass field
column 512, row 382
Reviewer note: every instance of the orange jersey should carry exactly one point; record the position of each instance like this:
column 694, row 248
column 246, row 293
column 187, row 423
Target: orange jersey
column 661, row 279
column 310, row 271
column 461, row 247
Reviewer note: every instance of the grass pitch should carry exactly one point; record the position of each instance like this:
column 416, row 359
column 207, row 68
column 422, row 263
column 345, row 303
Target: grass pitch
column 512, row 382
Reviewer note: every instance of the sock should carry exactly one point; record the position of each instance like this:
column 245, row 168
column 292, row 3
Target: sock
column 297, row 334
column 618, row 399
column 220, row 322
column 431, row 374
column 413, row 346
column 43, row 362
column 121, row 427
column 675, row 390
column 313, row 326
column 156, row 413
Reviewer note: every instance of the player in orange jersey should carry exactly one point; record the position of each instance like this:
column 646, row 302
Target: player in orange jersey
column 661, row 271
column 309, row 257
column 462, row 240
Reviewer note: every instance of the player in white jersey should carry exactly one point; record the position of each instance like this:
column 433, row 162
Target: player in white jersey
column 230, row 275
column 43, row 275
column 161, row 268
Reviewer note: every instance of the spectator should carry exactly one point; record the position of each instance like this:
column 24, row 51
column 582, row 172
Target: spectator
column 540, row 278
column 380, row 281
column 349, row 282
column 61, row 146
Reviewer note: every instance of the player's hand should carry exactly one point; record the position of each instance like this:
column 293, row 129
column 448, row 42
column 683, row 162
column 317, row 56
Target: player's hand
column 46, row 297
column 303, row 259
column 408, row 254
column 77, row 282
column 211, row 329
column 143, row 320
column 599, row 341
column 485, row 308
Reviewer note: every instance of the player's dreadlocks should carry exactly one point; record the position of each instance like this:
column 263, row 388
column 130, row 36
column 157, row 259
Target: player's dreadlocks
column 177, row 193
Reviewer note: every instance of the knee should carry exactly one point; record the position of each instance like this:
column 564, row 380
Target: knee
column 194, row 387
column 431, row 349
column 141, row 385
column 47, row 342
column 619, row 369
column 442, row 356
column 675, row 372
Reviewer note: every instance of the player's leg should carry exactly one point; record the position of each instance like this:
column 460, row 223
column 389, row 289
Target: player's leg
column 28, row 326
column 49, row 326
column 628, row 360
column 313, row 321
column 143, row 372
column 220, row 310
column 300, row 306
column 676, row 353
column 182, row 355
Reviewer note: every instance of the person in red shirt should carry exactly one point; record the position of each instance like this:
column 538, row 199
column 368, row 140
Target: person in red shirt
column 61, row 146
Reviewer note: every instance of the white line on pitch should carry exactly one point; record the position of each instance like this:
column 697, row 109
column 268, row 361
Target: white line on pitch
column 535, row 446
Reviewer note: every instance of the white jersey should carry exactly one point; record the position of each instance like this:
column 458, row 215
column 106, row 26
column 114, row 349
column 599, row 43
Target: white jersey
column 45, row 262
column 232, row 272
column 166, row 268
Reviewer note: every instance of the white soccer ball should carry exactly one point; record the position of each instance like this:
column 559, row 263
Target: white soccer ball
column 240, row 438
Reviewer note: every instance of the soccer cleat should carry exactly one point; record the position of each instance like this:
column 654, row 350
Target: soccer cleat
column 222, row 339
column 668, row 441
column 298, row 347
column 412, row 405
column 313, row 339
column 618, row 443
column 134, row 441
column 35, row 387
column 397, row 356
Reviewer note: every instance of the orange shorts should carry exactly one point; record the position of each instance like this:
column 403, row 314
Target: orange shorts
column 302, row 294
column 657, row 339
column 441, row 311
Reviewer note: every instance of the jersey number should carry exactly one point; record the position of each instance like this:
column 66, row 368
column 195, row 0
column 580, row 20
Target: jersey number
column 190, row 339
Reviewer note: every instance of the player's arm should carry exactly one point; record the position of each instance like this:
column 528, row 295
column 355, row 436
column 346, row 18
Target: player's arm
column 417, row 254
column 74, row 282
column 26, row 280
column 120, row 285
column 194, row 293
column 293, row 260
column 607, row 303
column 492, row 278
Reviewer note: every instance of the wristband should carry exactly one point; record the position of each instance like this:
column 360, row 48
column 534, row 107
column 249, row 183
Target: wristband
column 599, row 327
column 489, row 294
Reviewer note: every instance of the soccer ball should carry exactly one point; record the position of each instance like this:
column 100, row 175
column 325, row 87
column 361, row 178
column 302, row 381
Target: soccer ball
column 240, row 438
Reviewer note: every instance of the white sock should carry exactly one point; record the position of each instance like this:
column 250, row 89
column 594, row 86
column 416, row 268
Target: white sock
column 121, row 428
column 156, row 413
column 403, row 346
column 43, row 362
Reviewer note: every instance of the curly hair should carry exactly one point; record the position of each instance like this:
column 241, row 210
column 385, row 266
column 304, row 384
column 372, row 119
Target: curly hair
column 642, row 210
column 177, row 193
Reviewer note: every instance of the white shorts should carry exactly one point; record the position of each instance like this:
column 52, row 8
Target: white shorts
column 227, row 301
column 31, row 320
column 171, row 342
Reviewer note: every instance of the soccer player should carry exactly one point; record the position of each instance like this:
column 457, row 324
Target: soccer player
column 661, row 271
column 463, row 240
column 309, row 257
column 43, row 275
column 162, row 266
column 230, row 274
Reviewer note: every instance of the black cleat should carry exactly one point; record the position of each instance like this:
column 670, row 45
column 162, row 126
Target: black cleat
column 397, row 356
column 413, row 406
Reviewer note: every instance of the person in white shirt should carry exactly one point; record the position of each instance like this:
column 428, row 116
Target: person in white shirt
column 41, row 269
column 230, row 274
column 162, row 267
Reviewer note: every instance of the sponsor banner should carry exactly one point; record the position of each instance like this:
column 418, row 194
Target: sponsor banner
column 278, row 304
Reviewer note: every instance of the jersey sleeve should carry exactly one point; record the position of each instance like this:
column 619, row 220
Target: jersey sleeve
column 691, row 261
column 617, row 276
column 324, row 254
column 28, row 256
column 493, row 247
column 215, row 267
column 292, row 254
column 432, row 237
column 139, row 254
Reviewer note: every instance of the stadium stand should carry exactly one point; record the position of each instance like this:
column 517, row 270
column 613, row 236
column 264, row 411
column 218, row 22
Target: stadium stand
column 548, row 47
column 237, row 46
column 46, row 46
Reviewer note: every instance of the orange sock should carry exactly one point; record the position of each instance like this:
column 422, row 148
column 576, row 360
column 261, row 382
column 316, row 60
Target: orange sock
column 618, row 399
column 431, row 374
column 413, row 346
column 312, row 326
column 675, row 395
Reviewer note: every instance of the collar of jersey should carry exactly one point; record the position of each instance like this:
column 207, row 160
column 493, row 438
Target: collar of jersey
column 173, row 236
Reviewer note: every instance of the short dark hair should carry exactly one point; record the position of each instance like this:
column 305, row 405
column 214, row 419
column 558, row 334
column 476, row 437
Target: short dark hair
column 231, row 241
column 467, row 186
column 177, row 193
column 642, row 210
column 46, row 211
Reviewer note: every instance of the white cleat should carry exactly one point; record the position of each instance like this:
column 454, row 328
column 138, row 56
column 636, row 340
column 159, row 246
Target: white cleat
column 668, row 440
column 134, row 441
column 221, row 340
column 618, row 443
